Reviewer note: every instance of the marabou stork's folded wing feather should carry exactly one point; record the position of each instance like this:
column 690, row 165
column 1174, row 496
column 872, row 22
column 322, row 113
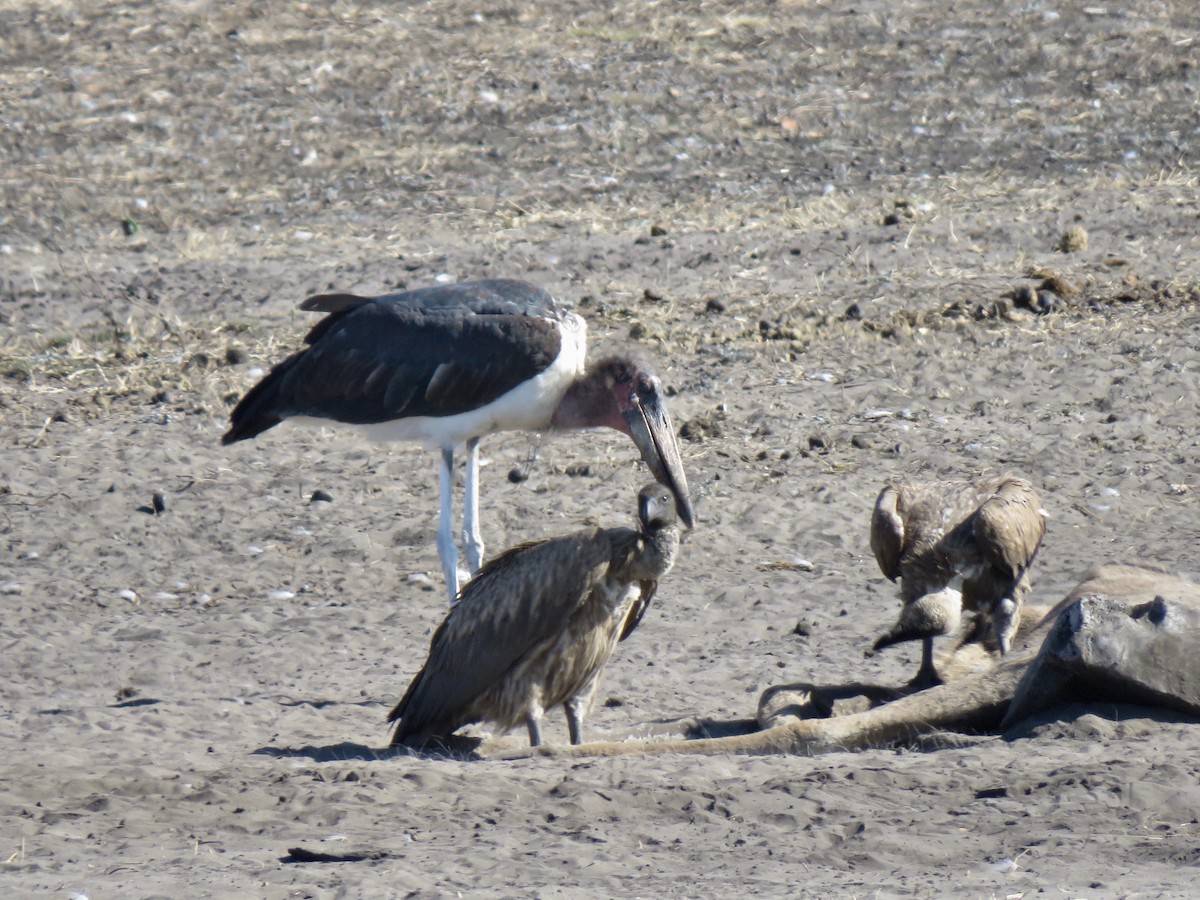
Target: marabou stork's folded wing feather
column 400, row 355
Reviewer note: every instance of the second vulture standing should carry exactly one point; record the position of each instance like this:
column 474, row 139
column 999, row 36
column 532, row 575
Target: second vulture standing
column 956, row 545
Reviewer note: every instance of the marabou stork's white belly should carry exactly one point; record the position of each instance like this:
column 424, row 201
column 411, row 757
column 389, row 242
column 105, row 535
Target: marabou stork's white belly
column 527, row 407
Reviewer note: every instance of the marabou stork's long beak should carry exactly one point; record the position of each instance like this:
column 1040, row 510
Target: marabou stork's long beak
column 651, row 429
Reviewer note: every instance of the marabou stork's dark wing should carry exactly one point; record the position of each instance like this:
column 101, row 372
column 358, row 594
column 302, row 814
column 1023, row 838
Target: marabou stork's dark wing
column 517, row 602
column 435, row 351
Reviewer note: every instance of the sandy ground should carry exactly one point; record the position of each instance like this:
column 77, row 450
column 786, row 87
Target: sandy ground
column 812, row 216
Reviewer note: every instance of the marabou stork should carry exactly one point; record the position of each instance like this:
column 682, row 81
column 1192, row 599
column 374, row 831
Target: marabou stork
column 447, row 364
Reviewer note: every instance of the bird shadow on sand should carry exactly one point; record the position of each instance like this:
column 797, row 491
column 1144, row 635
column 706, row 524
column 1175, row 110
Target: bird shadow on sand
column 454, row 747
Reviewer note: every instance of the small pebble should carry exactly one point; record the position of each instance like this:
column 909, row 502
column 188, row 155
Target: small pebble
column 29, row 554
column 127, row 594
column 1046, row 303
column 281, row 595
column 10, row 587
column 827, row 377
column 1025, row 297
column 1074, row 240
column 254, row 550
column 516, row 475
column 319, row 496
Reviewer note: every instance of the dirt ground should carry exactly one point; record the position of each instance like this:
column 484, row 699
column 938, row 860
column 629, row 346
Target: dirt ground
column 821, row 222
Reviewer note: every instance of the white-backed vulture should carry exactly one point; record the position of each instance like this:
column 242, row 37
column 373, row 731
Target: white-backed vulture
column 956, row 545
column 535, row 628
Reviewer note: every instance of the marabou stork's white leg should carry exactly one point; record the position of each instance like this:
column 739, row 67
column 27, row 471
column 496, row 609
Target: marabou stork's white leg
column 445, row 536
column 472, row 536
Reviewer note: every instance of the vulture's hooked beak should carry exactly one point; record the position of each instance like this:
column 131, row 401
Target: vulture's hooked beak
column 651, row 429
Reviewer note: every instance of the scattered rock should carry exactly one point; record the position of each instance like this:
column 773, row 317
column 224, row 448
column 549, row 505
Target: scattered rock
column 1047, row 302
column 156, row 506
column 999, row 308
column 236, row 354
column 860, row 442
column 516, row 475
column 820, row 443
column 10, row 588
column 803, row 628
column 714, row 306
column 1056, row 284
column 1073, row 240
column 200, row 360
column 652, row 296
column 320, row 496
column 700, row 428
column 657, row 231
column 1040, row 302
column 853, row 313
column 778, row 331
column 578, row 470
